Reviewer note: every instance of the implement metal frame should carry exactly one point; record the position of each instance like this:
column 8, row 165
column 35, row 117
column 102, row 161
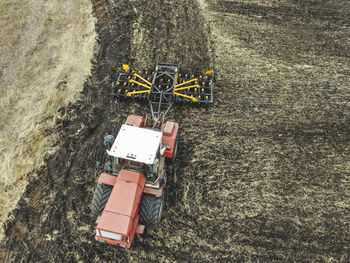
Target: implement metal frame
column 167, row 87
column 162, row 97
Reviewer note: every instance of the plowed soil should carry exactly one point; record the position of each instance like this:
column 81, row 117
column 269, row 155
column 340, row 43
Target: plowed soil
column 262, row 174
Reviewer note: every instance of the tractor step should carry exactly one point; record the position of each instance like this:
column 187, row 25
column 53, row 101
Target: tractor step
column 140, row 229
column 153, row 191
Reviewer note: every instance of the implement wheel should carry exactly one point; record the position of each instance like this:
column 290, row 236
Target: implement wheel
column 100, row 199
column 151, row 210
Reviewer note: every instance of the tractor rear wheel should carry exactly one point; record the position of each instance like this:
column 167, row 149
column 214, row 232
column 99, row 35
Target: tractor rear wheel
column 175, row 150
column 100, row 199
column 151, row 210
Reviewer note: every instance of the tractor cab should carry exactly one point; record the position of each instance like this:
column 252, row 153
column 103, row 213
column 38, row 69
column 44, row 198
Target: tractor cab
column 138, row 149
column 149, row 171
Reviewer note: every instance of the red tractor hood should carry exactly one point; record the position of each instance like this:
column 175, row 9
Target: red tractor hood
column 123, row 203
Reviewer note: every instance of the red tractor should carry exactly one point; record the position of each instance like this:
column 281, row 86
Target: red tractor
column 130, row 193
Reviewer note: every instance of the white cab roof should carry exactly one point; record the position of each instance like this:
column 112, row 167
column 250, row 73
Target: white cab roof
column 136, row 144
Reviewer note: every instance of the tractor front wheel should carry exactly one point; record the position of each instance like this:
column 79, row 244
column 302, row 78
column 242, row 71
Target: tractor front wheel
column 151, row 210
column 100, row 199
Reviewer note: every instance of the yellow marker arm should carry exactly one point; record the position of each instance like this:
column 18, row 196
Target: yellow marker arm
column 188, row 87
column 149, row 83
column 137, row 92
column 182, row 84
column 188, row 97
column 138, row 83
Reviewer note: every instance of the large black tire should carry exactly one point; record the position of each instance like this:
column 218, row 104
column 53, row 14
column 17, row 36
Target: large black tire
column 175, row 150
column 100, row 199
column 151, row 210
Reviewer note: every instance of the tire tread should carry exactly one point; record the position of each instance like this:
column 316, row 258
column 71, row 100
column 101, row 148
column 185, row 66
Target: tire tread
column 149, row 210
column 99, row 201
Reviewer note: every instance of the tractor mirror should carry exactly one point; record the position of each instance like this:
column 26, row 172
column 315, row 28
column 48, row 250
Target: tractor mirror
column 109, row 139
column 162, row 151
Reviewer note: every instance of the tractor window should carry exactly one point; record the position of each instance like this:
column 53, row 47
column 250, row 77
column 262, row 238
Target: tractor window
column 115, row 160
column 147, row 170
column 116, row 167
column 135, row 164
column 112, row 235
column 132, row 165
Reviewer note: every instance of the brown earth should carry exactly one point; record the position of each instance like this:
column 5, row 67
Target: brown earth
column 263, row 174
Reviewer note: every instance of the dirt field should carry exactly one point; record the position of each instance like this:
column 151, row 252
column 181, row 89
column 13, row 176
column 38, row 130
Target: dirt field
column 263, row 173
